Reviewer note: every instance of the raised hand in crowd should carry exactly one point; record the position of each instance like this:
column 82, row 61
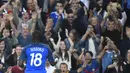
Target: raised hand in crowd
column 2, row 24
column 13, row 51
column 66, row 33
column 10, row 17
column 111, row 45
column 56, row 45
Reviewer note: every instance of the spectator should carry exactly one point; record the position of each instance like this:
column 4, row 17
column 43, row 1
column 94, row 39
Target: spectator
column 24, row 37
column 57, row 13
column 3, row 51
column 74, row 37
column 2, row 70
column 111, row 30
column 72, row 22
column 15, row 69
column 90, row 41
column 96, row 23
column 62, row 53
column 124, row 46
column 9, row 36
column 64, row 68
column 107, row 58
column 49, row 68
column 116, row 67
column 89, row 64
column 127, row 63
column 13, row 58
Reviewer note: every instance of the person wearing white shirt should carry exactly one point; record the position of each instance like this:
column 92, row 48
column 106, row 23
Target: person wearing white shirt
column 49, row 68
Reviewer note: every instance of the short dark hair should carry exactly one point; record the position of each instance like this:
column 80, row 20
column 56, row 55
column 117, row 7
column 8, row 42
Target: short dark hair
column 61, row 2
column 64, row 64
column 89, row 53
column 111, row 18
column 17, row 45
column 37, row 36
column 128, row 26
column 69, row 10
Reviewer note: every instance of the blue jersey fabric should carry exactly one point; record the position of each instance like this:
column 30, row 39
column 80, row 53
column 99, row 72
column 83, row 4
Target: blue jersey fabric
column 54, row 16
column 107, row 60
column 93, row 68
column 35, row 56
column 128, row 4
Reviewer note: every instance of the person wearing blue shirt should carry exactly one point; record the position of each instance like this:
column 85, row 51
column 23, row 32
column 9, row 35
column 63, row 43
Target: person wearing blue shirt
column 35, row 55
column 59, row 12
column 90, row 65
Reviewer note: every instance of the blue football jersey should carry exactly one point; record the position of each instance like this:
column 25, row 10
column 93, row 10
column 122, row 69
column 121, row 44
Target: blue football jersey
column 35, row 56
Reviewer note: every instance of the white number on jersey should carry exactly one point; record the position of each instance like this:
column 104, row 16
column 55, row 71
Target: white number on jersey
column 36, row 59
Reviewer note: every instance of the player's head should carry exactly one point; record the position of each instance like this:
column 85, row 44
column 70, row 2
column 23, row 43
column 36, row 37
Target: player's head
column 37, row 36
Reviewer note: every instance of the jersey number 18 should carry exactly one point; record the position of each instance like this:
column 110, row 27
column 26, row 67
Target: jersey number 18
column 36, row 59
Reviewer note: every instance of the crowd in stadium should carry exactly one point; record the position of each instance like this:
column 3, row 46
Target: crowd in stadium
column 84, row 36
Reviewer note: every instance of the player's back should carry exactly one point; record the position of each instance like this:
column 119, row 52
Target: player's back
column 36, row 57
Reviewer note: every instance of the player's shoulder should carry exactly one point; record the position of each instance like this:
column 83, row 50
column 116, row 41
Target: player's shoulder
column 28, row 46
column 45, row 46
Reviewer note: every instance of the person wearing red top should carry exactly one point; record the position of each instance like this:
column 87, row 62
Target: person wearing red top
column 15, row 69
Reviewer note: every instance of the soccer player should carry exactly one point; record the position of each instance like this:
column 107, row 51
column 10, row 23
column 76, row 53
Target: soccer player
column 35, row 55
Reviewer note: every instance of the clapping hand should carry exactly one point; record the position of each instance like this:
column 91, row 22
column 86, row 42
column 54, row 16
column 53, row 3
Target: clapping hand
column 51, row 39
column 59, row 33
column 66, row 32
column 13, row 51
